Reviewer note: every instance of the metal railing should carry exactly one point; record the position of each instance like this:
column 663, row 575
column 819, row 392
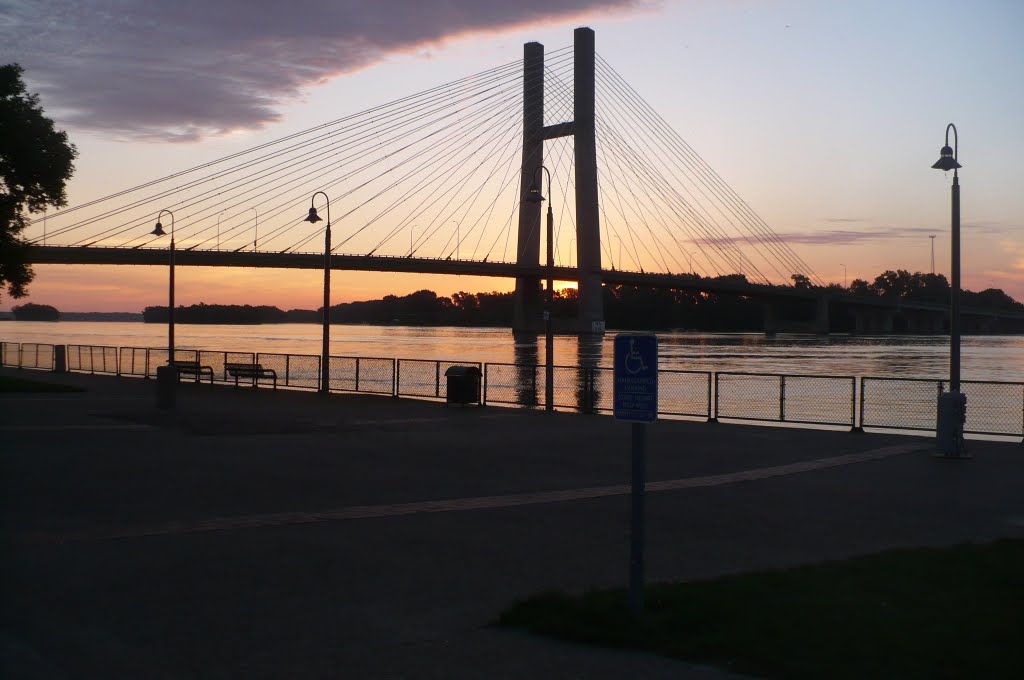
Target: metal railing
column 806, row 399
column 994, row 408
column 424, row 377
column 363, row 374
column 910, row 404
column 92, row 359
column 27, row 355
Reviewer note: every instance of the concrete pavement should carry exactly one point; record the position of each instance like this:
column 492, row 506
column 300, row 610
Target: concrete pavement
column 264, row 535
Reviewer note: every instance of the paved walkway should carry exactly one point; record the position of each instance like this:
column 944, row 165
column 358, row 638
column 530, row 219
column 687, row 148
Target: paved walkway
column 266, row 535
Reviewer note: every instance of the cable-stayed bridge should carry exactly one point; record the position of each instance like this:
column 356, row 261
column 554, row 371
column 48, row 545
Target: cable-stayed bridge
column 436, row 183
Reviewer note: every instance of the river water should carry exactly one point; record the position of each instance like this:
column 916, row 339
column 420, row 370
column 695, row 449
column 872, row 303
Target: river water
column 999, row 358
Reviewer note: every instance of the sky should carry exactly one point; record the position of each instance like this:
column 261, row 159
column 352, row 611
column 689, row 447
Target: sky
column 824, row 116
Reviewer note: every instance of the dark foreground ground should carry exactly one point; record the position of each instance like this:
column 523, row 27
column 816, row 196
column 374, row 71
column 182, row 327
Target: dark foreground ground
column 255, row 534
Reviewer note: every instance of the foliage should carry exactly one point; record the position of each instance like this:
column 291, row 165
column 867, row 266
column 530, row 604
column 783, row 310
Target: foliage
column 36, row 161
column 207, row 314
column 801, row 281
column 34, row 312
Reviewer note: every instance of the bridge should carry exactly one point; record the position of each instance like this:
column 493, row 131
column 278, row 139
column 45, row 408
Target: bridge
column 439, row 183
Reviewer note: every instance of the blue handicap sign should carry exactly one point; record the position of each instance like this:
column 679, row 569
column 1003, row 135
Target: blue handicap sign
column 636, row 377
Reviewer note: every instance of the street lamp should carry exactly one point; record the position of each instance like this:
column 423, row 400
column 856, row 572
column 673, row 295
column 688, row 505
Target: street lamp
column 932, row 238
column 534, row 195
column 256, row 234
column 952, row 405
column 159, row 231
column 844, row 273
column 325, row 353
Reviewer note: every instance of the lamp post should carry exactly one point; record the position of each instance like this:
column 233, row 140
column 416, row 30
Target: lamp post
column 256, row 234
column 325, row 353
column 159, row 231
column 844, row 273
column 932, row 238
column 534, row 195
column 952, row 407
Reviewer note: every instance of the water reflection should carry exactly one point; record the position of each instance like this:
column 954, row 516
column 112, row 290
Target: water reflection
column 526, row 356
column 589, row 353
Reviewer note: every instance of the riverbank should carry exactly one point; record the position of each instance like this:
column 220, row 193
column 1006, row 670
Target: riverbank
column 281, row 534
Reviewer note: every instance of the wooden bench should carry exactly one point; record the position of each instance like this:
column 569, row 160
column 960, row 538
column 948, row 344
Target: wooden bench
column 255, row 372
column 194, row 369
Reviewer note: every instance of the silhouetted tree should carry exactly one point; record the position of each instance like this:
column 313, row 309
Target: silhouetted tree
column 35, row 163
column 34, row 312
column 801, row 281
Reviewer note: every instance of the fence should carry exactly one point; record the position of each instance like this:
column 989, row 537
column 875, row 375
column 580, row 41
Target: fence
column 423, row 377
column 909, row 404
column 27, row 355
column 808, row 399
column 994, row 408
column 92, row 359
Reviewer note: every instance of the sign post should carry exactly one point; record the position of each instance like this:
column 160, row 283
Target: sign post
column 636, row 402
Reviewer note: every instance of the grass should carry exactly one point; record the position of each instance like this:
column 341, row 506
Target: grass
column 924, row 613
column 12, row 384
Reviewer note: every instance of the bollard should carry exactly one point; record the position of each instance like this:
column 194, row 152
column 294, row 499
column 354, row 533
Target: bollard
column 166, row 386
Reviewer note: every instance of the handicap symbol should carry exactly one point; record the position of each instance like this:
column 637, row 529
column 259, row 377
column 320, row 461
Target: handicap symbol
column 634, row 361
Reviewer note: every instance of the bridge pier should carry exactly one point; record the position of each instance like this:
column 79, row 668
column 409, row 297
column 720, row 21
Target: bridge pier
column 588, row 226
column 527, row 314
column 528, row 305
column 821, row 322
column 872, row 320
column 773, row 325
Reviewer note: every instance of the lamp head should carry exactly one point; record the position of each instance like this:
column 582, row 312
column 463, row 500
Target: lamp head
column 312, row 216
column 533, row 194
column 946, row 160
column 158, row 230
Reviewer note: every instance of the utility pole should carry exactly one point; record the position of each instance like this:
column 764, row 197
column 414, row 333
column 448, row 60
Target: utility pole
column 932, row 237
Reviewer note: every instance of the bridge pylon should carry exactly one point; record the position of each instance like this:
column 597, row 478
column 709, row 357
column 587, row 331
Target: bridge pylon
column 528, row 300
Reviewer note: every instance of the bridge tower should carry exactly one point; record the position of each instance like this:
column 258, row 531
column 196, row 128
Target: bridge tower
column 528, row 300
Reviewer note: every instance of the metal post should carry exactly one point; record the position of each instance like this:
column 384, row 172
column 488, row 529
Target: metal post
column 782, row 398
column 549, row 340
column 636, row 534
column 954, row 306
column 170, row 308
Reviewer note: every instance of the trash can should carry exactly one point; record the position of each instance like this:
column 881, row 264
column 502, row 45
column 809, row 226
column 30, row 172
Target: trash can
column 166, row 386
column 463, row 384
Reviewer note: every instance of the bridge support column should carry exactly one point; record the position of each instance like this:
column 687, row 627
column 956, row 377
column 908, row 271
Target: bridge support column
column 528, row 304
column 771, row 325
column 588, row 225
column 821, row 323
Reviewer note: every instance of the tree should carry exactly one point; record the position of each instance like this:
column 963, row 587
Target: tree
column 801, row 281
column 34, row 312
column 36, row 162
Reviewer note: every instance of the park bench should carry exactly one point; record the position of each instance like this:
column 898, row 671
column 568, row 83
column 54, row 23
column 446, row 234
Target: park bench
column 194, row 369
column 255, row 372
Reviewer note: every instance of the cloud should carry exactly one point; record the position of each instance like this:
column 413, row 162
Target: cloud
column 188, row 69
column 832, row 237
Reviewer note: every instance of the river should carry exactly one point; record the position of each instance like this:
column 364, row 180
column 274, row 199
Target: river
column 999, row 358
